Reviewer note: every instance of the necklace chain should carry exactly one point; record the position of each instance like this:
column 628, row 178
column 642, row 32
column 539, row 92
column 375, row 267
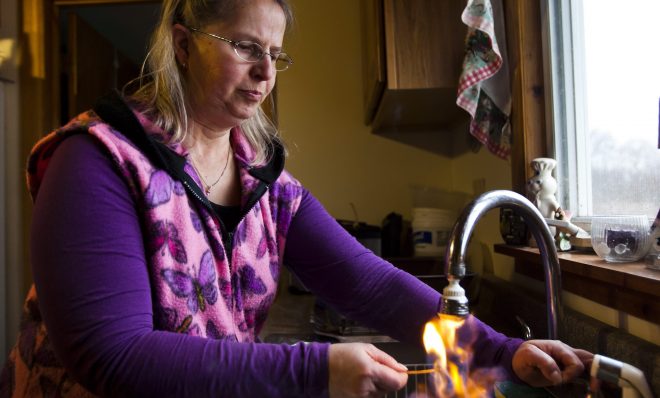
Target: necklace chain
column 207, row 187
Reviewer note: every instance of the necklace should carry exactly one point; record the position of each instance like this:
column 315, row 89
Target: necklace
column 207, row 187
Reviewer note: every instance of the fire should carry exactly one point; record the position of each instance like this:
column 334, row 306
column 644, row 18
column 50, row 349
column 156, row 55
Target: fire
column 451, row 377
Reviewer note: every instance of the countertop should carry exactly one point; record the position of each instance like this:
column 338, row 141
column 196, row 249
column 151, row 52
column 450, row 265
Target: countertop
column 289, row 321
column 289, row 316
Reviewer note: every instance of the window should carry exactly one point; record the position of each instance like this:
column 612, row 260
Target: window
column 605, row 103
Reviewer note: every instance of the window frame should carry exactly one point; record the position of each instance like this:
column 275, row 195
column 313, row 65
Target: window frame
column 524, row 38
column 565, row 79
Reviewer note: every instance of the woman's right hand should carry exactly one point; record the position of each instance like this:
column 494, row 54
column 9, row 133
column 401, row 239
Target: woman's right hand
column 362, row 370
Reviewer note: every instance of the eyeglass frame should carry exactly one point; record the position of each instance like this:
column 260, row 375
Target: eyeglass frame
column 234, row 44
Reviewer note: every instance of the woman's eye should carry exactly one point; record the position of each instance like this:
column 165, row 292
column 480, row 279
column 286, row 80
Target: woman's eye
column 251, row 49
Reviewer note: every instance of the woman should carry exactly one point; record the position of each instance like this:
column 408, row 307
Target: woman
column 161, row 222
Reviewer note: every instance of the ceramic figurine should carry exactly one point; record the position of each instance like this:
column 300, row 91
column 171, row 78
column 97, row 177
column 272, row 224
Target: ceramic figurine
column 542, row 187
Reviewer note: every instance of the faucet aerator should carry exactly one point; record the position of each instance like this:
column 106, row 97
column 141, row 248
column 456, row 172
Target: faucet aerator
column 454, row 301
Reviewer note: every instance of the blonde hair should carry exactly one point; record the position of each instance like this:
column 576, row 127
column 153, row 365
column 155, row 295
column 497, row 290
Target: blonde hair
column 161, row 93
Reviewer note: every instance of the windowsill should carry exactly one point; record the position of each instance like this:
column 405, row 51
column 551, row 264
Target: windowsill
column 629, row 287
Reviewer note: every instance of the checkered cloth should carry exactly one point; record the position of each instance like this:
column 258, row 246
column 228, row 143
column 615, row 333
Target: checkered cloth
column 483, row 88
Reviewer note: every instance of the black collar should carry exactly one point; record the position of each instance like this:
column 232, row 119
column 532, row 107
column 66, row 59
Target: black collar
column 112, row 108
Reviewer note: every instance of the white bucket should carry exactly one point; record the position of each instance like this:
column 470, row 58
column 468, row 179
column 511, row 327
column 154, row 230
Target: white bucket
column 431, row 228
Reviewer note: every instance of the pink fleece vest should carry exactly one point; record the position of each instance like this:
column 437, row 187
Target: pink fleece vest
column 197, row 291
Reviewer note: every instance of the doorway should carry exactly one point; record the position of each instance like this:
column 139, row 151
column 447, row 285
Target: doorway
column 101, row 47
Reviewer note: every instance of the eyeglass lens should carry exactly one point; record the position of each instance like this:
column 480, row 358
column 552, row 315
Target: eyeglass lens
column 253, row 52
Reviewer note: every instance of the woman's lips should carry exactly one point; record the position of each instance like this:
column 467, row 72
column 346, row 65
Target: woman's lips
column 253, row 95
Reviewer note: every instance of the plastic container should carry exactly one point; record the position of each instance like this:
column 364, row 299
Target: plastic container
column 653, row 257
column 620, row 239
column 431, row 228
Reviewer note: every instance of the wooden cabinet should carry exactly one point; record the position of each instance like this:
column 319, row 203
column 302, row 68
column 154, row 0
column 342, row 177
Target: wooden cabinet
column 413, row 52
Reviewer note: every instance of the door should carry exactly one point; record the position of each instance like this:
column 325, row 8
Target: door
column 93, row 67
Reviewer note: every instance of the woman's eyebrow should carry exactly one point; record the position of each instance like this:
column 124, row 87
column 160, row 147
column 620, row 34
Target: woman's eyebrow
column 247, row 36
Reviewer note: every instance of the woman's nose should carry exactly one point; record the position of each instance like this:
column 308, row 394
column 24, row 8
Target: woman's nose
column 264, row 69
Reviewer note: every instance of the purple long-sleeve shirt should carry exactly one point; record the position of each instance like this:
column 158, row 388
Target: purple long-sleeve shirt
column 94, row 292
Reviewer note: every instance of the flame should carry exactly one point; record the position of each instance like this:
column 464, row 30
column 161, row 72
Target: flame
column 451, row 378
column 434, row 345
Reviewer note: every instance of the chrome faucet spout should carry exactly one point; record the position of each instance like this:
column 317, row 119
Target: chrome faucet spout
column 455, row 265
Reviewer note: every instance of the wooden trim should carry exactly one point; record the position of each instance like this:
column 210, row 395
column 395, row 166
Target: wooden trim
column 524, row 45
column 629, row 287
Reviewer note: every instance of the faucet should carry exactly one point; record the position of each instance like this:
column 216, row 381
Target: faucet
column 454, row 301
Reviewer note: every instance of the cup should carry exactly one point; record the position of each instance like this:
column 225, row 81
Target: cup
column 620, row 239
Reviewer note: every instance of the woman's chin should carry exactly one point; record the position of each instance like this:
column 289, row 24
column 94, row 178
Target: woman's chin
column 245, row 114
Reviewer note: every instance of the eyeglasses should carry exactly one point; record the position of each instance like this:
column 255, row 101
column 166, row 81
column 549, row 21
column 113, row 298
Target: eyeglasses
column 250, row 51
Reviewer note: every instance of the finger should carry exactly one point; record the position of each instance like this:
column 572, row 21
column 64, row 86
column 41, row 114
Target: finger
column 585, row 356
column 571, row 363
column 385, row 359
column 388, row 374
column 545, row 364
column 387, row 379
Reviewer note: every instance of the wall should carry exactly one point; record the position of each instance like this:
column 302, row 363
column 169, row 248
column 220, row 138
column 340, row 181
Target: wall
column 321, row 115
column 477, row 173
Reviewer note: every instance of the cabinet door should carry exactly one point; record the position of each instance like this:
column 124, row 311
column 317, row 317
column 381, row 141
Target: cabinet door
column 424, row 43
column 374, row 55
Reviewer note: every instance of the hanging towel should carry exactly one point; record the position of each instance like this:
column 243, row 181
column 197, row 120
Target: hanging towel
column 483, row 88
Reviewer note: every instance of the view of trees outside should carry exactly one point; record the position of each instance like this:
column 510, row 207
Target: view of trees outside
column 622, row 104
column 625, row 176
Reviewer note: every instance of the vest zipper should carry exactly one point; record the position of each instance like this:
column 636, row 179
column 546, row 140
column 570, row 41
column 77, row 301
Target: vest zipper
column 230, row 234
column 226, row 235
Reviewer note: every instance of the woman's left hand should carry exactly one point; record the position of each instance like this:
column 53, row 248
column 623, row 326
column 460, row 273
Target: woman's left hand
column 541, row 363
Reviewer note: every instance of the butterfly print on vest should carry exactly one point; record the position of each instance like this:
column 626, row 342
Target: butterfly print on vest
column 213, row 332
column 274, row 267
column 196, row 221
column 266, row 243
column 165, row 236
column 27, row 340
column 168, row 319
column 245, row 281
column 218, row 250
column 198, row 290
column 283, row 195
column 160, row 189
column 255, row 317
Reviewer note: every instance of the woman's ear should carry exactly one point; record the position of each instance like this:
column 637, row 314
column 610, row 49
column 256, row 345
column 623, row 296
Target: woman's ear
column 180, row 37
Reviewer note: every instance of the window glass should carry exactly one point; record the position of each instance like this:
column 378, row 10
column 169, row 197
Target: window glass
column 606, row 91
